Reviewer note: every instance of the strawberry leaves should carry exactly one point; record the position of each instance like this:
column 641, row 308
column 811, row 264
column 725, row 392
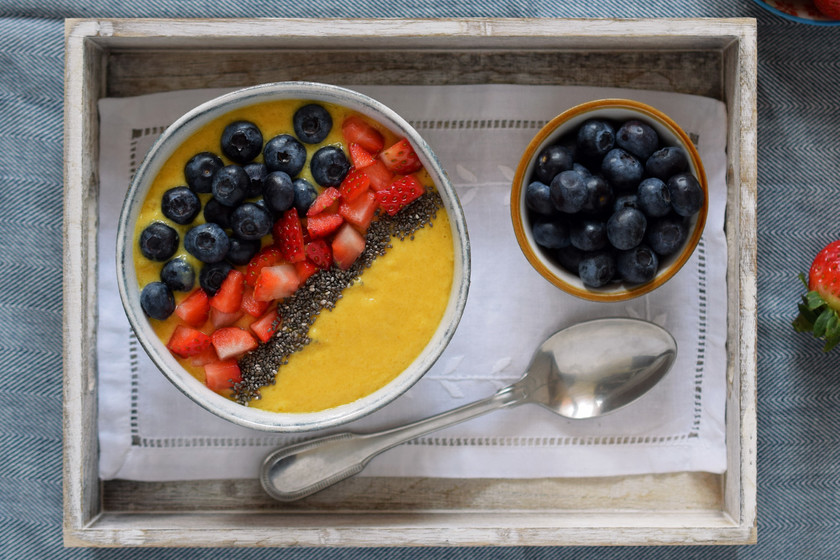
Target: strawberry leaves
column 817, row 317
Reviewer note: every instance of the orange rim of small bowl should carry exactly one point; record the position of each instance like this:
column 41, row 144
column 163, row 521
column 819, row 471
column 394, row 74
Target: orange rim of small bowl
column 517, row 191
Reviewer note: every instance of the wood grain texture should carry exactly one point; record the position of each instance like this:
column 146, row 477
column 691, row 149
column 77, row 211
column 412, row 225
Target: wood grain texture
column 714, row 58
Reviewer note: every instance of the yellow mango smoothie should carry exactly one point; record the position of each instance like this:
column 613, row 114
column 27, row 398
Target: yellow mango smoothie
column 294, row 256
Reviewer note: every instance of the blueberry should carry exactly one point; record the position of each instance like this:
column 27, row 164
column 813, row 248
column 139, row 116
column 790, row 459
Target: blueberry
column 582, row 169
column 638, row 138
column 588, row 235
column 305, row 195
column 158, row 241
column 207, row 242
column 242, row 251
column 551, row 161
column 569, row 258
column 538, row 198
column 157, row 300
column 637, row 265
column 597, row 269
column 242, row 141
column 568, row 191
column 599, row 195
column 284, row 153
column 654, row 197
column 256, row 175
column 312, row 123
column 595, row 138
column 230, row 185
column 329, row 166
column 179, row 275
column 622, row 169
column 551, row 234
column 666, row 162
column 278, row 192
column 212, row 275
column 200, row 169
column 250, row 222
column 667, row 235
column 626, row 201
column 217, row 213
column 180, row 204
column 626, row 228
column 687, row 195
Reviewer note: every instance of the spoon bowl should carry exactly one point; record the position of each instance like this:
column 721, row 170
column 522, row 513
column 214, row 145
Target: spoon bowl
column 583, row 371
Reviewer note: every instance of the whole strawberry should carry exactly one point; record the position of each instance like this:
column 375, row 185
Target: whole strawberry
column 818, row 312
column 828, row 8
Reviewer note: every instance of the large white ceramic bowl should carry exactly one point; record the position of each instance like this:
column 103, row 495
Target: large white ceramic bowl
column 252, row 417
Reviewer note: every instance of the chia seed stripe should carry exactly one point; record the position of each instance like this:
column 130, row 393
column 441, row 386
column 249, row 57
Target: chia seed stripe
column 321, row 291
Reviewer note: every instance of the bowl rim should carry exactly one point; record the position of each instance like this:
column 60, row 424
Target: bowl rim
column 549, row 133
column 129, row 290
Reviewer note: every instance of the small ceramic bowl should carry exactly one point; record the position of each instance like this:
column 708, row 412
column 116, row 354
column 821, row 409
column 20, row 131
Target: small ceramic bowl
column 800, row 11
column 560, row 127
column 252, row 417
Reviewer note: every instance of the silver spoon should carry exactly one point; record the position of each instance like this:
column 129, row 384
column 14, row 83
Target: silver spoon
column 583, row 371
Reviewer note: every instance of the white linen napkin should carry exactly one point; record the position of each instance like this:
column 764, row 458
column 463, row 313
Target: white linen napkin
column 148, row 430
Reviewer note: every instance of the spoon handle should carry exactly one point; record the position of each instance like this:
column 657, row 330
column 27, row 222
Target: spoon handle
column 296, row 471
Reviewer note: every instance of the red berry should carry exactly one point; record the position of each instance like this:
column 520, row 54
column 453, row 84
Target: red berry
column 360, row 157
column 357, row 131
column 268, row 256
column 187, row 341
column 326, row 199
column 354, row 184
column 828, row 8
column 221, row 375
column 401, row 158
column 323, row 224
column 400, row 194
column 229, row 297
column 319, row 253
column 232, row 342
column 194, row 309
column 288, row 235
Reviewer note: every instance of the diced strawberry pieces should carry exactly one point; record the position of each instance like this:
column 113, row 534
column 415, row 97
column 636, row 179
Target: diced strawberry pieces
column 187, row 341
column 354, row 185
column 205, row 357
column 401, row 158
column 305, row 269
column 323, row 224
column 360, row 157
column 400, row 194
column 232, row 342
column 319, row 253
column 380, row 176
column 288, row 235
column 229, row 297
column 251, row 306
column 221, row 319
column 268, row 256
column 276, row 282
column 222, row 375
column 266, row 326
column 347, row 245
column 360, row 211
column 357, row 131
column 194, row 309
column 324, row 200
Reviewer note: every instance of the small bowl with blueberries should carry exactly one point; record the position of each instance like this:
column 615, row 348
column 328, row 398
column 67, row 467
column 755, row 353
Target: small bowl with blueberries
column 609, row 200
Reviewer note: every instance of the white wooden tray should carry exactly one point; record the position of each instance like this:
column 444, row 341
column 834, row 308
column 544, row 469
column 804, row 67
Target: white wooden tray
column 714, row 58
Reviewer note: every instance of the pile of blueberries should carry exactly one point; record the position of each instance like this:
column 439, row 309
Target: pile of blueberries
column 247, row 198
column 608, row 201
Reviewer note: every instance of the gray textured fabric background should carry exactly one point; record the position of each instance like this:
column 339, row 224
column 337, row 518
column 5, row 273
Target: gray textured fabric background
column 799, row 198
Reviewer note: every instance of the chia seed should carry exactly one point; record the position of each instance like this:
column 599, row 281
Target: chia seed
column 322, row 290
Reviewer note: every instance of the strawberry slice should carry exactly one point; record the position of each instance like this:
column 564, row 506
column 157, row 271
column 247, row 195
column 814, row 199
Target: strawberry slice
column 360, row 211
column 347, row 245
column 380, row 177
column 229, row 297
column 305, row 269
column 268, row 256
column 187, row 341
column 360, row 157
column 231, row 342
column 323, row 224
column 354, row 184
column 221, row 375
column 319, row 253
column 265, row 326
column 401, row 158
column 251, row 306
column 357, row 131
column 276, row 282
column 400, row 194
column 221, row 319
column 194, row 309
column 288, row 235
column 205, row 357
column 324, row 200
